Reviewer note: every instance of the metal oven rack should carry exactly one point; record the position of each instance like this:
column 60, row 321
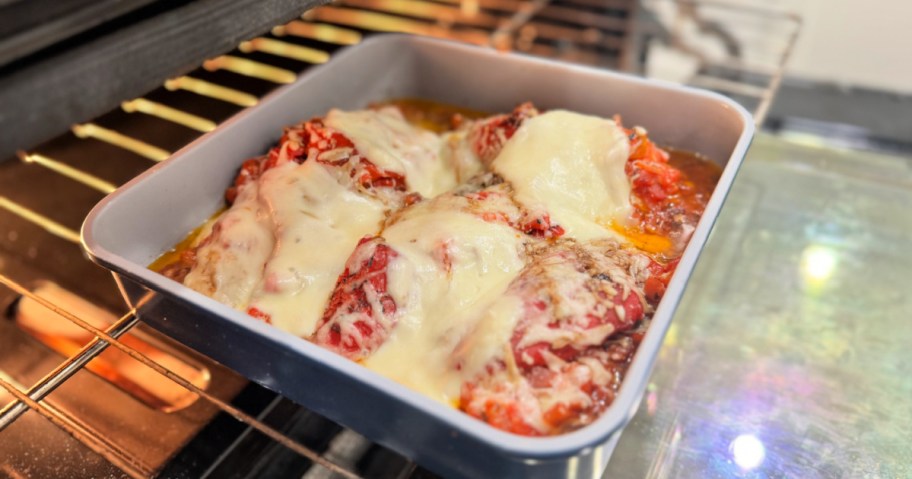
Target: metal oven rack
column 734, row 49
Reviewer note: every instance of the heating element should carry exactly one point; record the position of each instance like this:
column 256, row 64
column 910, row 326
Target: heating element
column 85, row 392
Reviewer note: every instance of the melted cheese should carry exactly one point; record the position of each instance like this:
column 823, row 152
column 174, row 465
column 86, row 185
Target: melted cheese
column 386, row 139
column 442, row 308
column 566, row 388
column 571, row 166
column 317, row 224
column 457, row 151
column 230, row 263
column 284, row 243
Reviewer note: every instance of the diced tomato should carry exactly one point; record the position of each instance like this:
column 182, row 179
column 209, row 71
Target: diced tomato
column 259, row 314
column 530, row 356
column 560, row 413
column 506, row 416
column 313, row 139
column 557, row 405
column 653, row 179
column 654, row 289
column 541, row 227
column 494, row 217
column 499, row 410
column 441, row 254
column 489, row 136
column 370, row 175
column 655, row 285
column 557, row 382
column 351, row 325
column 410, row 199
column 664, row 199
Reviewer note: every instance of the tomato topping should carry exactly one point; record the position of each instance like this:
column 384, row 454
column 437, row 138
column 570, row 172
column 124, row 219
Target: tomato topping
column 541, row 227
column 500, row 410
column 259, row 314
column 489, row 136
column 370, row 175
column 352, row 325
column 655, row 285
column 581, row 321
column 620, row 312
column 572, row 343
column 665, row 202
column 313, row 139
column 545, row 401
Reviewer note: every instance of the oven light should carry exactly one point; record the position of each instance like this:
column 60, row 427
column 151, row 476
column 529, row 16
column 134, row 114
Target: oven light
column 818, row 263
column 747, row 451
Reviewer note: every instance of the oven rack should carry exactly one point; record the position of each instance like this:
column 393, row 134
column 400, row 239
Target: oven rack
column 616, row 34
column 31, row 398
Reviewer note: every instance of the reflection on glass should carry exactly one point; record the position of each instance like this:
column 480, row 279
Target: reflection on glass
column 652, row 398
column 747, row 451
column 794, row 330
column 818, row 262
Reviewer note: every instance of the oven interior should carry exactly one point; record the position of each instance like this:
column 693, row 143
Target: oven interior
column 88, row 391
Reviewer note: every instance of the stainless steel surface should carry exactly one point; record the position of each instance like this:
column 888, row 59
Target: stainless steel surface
column 789, row 354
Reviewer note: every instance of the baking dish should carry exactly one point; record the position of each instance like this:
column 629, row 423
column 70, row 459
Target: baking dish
column 151, row 213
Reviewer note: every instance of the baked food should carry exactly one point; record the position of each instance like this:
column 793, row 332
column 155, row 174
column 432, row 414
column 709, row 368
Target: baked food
column 507, row 266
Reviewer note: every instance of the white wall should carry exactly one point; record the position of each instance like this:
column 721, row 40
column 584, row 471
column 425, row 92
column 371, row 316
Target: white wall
column 849, row 42
column 854, row 42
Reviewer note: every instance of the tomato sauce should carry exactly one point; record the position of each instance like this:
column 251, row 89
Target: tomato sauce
column 669, row 190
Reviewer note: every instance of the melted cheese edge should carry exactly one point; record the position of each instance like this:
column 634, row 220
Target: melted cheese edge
column 458, row 152
column 385, row 138
column 230, row 264
column 571, row 166
column 444, row 317
column 317, row 223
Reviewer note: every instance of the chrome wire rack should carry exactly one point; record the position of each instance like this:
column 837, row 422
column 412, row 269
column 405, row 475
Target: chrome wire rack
column 31, row 398
column 736, row 50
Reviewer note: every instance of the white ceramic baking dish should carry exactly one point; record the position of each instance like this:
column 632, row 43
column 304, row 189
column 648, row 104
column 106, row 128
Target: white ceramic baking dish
column 149, row 215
